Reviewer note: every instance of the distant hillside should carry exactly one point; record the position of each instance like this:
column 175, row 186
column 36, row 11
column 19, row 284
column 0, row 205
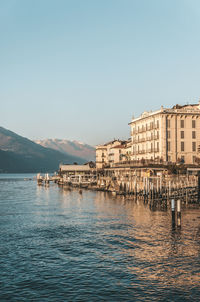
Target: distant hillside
column 19, row 154
column 69, row 147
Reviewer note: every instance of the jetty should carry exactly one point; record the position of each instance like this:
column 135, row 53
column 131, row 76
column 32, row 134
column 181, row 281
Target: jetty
column 46, row 179
column 155, row 185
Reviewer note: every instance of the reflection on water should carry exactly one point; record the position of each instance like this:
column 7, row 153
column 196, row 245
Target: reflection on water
column 60, row 245
column 159, row 253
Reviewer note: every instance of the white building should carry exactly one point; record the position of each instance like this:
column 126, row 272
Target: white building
column 170, row 134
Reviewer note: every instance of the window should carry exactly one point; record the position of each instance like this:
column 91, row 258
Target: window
column 194, row 159
column 168, row 123
column 157, row 123
column 158, row 146
column 193, row 134
column 168, row 134
column 182, row 134
column 168, row 146
column 193, row 146
column 182, row 123
column 193, row 124
column 182, row 146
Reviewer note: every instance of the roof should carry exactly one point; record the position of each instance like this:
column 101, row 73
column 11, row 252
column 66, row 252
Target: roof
column 188, row 108
column 119, row 147
column 111, row 142
column 106, row 144
column 177, row 106
column 74, row 167
column 101, row 147
column 145, row 115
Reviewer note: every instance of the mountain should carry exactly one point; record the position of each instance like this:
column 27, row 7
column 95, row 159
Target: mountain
column 69, row 147
column 19, row 154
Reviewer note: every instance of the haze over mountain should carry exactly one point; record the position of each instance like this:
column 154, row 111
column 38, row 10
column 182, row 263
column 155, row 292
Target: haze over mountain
column 69, row 147
column 19, row 154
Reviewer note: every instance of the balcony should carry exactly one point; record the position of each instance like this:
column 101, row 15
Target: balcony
column 156, row 136
column 140, row 140
column 152, row 150
column 134, row 131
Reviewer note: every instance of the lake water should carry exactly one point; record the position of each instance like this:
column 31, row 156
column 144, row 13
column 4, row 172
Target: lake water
column 59, row 245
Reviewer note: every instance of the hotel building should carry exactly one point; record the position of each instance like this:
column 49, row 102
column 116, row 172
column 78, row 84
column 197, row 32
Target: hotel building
column 168, row 134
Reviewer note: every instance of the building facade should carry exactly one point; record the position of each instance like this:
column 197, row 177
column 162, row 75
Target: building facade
column 170, row 135
column 113, row 152
column 103, row 153
column 120, row 153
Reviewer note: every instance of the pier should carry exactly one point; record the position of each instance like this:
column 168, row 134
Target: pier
column 154, row 185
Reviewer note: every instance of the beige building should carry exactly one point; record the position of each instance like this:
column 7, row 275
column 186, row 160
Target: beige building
column 171, row 135
column 103, row 156
column 128, row 150
column 120, row 153
column 113, row 152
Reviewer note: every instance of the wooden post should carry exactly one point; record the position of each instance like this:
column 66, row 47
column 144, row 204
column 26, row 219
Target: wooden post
column 46, row 178
column 198, row 186
column 179, row 213
column 136, row 189
column 157, row 187
column 182, row 184
column 169, row 189
column 151, row 186
column 148, row 187
column 173, row 213
column 135, row 186
column 186, row 197
column 125, row 187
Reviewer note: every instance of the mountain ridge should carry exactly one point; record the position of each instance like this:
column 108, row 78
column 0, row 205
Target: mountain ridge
column 19, row 154
column 69, row 147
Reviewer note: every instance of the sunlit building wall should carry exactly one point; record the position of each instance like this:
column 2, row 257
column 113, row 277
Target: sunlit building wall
column 171, row 135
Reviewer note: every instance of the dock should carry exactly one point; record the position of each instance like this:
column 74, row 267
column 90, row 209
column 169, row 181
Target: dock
column 152, row 185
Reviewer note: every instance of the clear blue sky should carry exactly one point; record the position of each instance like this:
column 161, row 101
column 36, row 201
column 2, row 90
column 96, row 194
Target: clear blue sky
column 79, row 69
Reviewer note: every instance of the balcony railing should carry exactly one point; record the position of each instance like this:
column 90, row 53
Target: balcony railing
column 153, row 150
column 144, row 139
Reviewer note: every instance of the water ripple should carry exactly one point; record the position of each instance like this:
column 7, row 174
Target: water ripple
column 59, row 246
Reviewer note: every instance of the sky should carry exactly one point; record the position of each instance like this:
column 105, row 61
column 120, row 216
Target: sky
column 80, row 69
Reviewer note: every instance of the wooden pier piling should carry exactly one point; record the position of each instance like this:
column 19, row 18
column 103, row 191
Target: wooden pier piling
column 173, row 213
column 179, row 213
column 198, row 186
